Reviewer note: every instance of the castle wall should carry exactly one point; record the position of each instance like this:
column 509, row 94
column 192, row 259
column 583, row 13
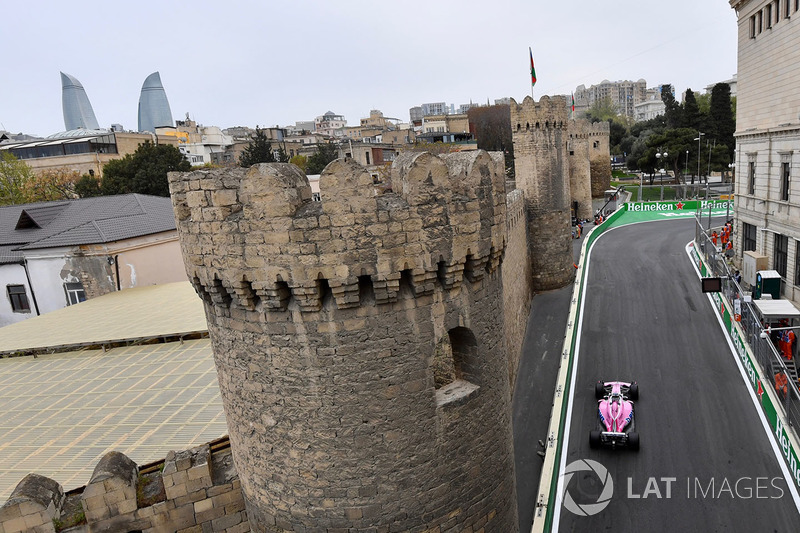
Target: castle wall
column 195, row 491
column 324, row 318
column 579, row 147
column 517, row 291
column 600, row 156
column 539, row 132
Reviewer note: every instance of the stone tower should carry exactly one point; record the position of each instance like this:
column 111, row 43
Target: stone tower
column 359, row 340
column 539, row 132
column 580, row 174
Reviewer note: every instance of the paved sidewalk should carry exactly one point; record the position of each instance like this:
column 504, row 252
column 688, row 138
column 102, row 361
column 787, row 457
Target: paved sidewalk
column 535, row 388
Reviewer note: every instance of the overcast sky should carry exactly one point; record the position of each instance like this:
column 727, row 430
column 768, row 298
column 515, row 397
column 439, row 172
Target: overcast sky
column 267, row 63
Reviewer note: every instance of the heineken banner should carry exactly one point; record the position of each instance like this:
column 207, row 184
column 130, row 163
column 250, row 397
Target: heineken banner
column 688, row 206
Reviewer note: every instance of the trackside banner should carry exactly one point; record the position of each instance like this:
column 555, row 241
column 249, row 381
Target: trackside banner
column 753, row 372
column 688, row 205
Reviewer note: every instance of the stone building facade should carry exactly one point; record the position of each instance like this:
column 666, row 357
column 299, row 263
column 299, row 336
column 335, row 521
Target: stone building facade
column 325, row 319
column 767, row 159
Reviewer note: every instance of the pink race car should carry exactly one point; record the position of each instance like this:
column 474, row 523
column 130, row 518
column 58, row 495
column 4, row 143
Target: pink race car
column 616, row 425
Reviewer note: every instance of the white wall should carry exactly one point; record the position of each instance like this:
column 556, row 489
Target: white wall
column 13, row 275
column 46, row 277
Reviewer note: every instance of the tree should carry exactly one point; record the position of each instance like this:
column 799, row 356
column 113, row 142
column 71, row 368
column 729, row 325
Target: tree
column 14, row 178
column 300, row 161
column 691, row 111
column 722, row 122
column 144, row 171
column 88, row 186
column 52, row 184
column 602, row 109
column 282, row 157
column 673, row 115
column 325, row 153
column 258, row 151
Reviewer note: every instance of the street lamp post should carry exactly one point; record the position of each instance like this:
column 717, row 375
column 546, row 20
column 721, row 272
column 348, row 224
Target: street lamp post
column 659, row 157
column 699, row 136
column 686, row 165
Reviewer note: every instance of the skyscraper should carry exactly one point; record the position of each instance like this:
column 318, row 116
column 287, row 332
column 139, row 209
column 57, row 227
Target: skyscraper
column 78, row 112
column 153, row 105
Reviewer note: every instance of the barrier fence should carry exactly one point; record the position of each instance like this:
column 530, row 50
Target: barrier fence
column 770, row 360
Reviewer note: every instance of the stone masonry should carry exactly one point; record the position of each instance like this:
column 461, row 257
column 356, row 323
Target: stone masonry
column 324, row 318
column 539, row 132
column 196, row 492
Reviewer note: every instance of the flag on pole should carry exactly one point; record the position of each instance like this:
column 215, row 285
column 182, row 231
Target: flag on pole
column 573, row 102
column 533, row 70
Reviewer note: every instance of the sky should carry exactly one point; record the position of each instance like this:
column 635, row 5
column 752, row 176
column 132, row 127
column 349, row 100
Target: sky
column 268, row 63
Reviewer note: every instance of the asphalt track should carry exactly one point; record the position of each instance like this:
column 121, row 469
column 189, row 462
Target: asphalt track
column 645, row 319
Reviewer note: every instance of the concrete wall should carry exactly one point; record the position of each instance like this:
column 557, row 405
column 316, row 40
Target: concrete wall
column 151, row 265
column 325, row 316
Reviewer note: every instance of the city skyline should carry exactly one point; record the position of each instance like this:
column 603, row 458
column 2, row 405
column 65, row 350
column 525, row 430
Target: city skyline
column 349, row 60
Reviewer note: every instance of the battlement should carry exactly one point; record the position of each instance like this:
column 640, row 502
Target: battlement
column 252, row 238
column 582, row 128
column 550, row 112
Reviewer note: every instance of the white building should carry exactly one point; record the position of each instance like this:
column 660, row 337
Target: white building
column 767, row 193
column 330, row 124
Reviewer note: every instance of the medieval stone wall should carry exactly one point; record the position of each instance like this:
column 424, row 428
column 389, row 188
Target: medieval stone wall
column 539, row 132
column 600, row 156
column 580, row 185
column 196, row 491
column 517, row 290
column 325, row 316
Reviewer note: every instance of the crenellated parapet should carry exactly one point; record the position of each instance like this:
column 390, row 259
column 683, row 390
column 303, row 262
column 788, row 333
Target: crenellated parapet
column 254, row 236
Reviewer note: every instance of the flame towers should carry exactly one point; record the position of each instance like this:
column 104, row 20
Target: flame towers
column 153, row 105
column 78, row 112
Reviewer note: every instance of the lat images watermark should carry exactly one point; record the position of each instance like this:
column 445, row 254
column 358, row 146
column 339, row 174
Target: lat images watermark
column 607, row 491
column 591, row 490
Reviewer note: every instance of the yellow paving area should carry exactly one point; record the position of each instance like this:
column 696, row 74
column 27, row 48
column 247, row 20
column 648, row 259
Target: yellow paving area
column 153, row 311
column 60, row 413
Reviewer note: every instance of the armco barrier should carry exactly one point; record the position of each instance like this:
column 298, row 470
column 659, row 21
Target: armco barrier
column 548, row 483
column 786, row 440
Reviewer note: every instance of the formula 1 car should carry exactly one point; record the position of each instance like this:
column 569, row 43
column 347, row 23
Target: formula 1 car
column 616, row 425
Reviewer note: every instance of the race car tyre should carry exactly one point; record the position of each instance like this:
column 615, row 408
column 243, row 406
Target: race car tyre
column 599, row 390
column 633, row 392
column 633, row 441
column 594, row 439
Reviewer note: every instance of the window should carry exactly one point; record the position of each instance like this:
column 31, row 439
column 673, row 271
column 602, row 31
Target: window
column 748, row 237
column 768, row 16
column 751, row 177
column 18, row 298
column 753, row 27
column 797, row 263
column 75, row 293
column 781, row 254
column 758, row 23
column 776, row 8
column 785, row 180
column 787, row 6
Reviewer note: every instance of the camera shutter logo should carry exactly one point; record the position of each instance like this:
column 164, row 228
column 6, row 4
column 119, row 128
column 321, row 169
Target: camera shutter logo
column 588, row 509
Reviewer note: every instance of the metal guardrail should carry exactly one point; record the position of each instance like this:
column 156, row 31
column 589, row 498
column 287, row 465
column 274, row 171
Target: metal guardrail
column 769, row 359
